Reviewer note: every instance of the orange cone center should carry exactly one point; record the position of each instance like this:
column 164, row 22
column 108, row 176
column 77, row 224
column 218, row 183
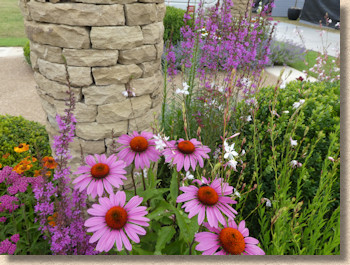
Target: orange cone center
column 139, row 144
column 186, row 147
column 20, row 146
column 232, row 241
column 207, row 195
column 116, row 217
column 99, row 171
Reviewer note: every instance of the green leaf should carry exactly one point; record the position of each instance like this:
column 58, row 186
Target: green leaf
column 165, row 234
column 149, row 194
column 174, row 187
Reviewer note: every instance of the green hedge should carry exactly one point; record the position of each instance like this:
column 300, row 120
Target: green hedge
column 320, row 112
column 26, row 53
column 16, row 130
column 173, row 21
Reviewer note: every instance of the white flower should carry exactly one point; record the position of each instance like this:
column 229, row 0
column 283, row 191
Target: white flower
column 236, row 193
column 204, row 34
column 337, row 24
column 243, row 152
column 295, row 164
column 268, row 202
column 230, row 152
column 283, row 85
column 286, row 111
column 129, row 93
column 245, row 82
column 331, row 158
column 298, row 104
column 189, row 175
column 330, row 21
column 233, row 163
column 248, row 118
column 160, row 142
column 217, row 153
column 275, row 113
column 125, row 93
column 293, row 142
column 184, row 90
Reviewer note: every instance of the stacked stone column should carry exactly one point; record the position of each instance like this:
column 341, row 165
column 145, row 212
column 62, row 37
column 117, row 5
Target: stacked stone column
column 109, row 45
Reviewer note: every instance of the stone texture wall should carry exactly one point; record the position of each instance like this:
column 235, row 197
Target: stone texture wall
column 239, row 7
column 109, row 45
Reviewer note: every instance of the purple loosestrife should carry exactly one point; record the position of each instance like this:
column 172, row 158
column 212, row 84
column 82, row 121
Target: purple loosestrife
column 56, row 199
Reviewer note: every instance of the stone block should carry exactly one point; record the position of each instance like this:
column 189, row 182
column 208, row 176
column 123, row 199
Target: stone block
column 138, row 55
column 153, row 33
column 119, row 74
column 96, row 131
column 100, row 95
column 90, row 57
column 140, row 14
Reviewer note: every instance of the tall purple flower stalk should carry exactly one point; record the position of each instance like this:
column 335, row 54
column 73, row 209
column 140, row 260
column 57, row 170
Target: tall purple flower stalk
column 67, row 235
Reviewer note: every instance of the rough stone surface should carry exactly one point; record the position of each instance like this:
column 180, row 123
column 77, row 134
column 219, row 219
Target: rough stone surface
column 148, row 85
column 153, row 33
column 99, row 2
column 46, row 52
column 58, row 35
column 79, row 76
column 138, row 55
column 54, row 89
column 140, row 14
column 150, row 68
column 96, row 131
column 88, row 147
column 77, row 14
column 24, row 9
column 100, row 95
column 151, row 1
column 145, row 122
column 119, row 38
column 159, row 46
column 161, row 10
column 115, row 74
column 127, row 109
column 90, row 57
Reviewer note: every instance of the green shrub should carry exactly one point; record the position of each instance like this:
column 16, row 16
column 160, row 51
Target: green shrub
column 26, row 52
column 320, row 112
column 17, row 130
column 173, row 21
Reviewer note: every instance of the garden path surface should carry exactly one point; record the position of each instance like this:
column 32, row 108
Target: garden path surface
column 18, row 95
column 311, row 38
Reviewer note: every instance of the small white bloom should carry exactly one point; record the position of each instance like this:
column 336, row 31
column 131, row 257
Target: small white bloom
column 331, row 158
column 125, row 93
column 160, row 141
column 302, row 101
column 243, row 152
column 230, row 151
column 286, row 111
column 189, row 175
column 330, row 21
column 283, row 85
column 184, row 90
column 236, row 193
column 233, row 163
column 293, row 142
column 337, row 24
column 268, row 202
column 295, row 163
column 248, row 118
column 298, row 104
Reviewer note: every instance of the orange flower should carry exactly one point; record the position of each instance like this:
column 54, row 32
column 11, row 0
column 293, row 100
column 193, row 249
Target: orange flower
column 6, row 155
column 34, row 159
column 52, row 219
column 21, row 148
column 48, row 174
column 22, row 167
column 49, row 162
column 0, row 165
column 37, row 173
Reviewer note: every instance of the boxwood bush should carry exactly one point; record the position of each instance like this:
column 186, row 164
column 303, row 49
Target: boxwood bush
column 320, row 112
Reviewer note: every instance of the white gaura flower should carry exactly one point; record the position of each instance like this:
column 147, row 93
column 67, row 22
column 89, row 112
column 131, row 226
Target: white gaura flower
column 293, row 142
column 160, row 142
column 298, row 104
column 268, row 202
column 233, row 163
column 243, row 152
column 184, row 90
column 283, row 85
column 248, row 118
column 189, row 176
column 331, row 158
column 286, row 111
column 236, row 193
column 295, row 163
column 230, row 152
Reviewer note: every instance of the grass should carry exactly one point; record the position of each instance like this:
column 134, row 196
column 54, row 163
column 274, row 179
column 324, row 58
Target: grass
column 298, row 23
column 310, row 58
column 11, row 24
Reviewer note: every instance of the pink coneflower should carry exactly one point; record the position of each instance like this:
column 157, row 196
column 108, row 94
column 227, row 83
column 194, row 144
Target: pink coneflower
column 208, row 200
column 186, row 153
column 139, row 148
column 100, row 173
column 114, row 221
column 230, row 240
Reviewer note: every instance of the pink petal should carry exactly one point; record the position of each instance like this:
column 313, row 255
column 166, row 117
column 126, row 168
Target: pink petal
column 96, row 236
column 92, row 221
column 125, row 240
column 211, row 251
column 187, row 163
column 133, row 202
column 251, row 240
column 219, row 216
column 212, row 220
column 118, row 239
column 90, row 160
column 82, row 169
column 254, row 250
column 99, row 187
column 131, row 234
column 201, row 215
column 120, row 198
column 241, row 226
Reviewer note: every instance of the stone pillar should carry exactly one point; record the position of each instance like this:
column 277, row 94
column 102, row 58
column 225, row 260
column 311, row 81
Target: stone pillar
column 239, row 7
column 109, row 45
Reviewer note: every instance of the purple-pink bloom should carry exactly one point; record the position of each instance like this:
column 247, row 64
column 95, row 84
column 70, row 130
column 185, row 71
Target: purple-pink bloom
column 100, row 173
column 209, row 200
column 186, row 154
column 230, row 240
column 15, row 238
column 114, row 222
column 138, row 148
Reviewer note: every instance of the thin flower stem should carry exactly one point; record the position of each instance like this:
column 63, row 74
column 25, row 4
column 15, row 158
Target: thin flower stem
column 132, row 177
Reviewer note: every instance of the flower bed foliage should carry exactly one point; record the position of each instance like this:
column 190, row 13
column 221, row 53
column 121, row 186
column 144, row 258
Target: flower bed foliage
column 173, row 21
column 229, row 169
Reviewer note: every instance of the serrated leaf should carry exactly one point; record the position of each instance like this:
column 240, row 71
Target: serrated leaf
column 165, row 234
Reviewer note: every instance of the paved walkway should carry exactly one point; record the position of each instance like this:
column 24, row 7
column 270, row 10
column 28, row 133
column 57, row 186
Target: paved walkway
column 18, row 95
column 311, row 37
